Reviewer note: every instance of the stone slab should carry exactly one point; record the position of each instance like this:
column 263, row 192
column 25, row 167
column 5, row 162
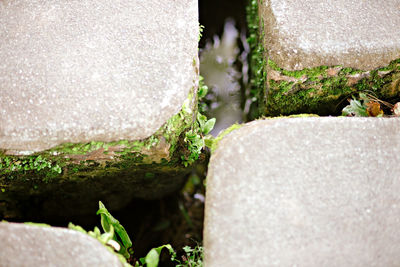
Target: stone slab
column 305, row 192
column 26, row 245
column 81, row 71
column 310, row 57
column 95, row 97
column 358, row 34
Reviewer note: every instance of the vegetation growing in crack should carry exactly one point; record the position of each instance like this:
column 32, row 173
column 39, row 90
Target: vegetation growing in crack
column 117, row 241
column 193, row 257
column 195, row 137
column 257, row 61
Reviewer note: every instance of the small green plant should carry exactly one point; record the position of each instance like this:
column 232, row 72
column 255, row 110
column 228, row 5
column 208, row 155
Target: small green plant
column 193, row 257
column 356, row 107
column 117, row 240
column 153, row 257
column 110, row 224
column 194, row 138
column 203, row 88
column 114, row 237
column 201, row 29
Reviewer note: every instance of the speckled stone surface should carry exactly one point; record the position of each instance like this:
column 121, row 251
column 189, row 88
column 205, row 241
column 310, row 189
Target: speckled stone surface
column 25, row 245
column 305, row 192
column 353, row 33
column 83, row 70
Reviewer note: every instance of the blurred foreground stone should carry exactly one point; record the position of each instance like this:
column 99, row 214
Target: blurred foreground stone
column 308, row 56
column 305, row 192
column 26, row 245
column 95, row 97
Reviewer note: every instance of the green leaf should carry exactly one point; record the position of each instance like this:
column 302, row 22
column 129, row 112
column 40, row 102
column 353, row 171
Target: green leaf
column 192, row 136
column 153, row 257
column 209, row 141
column 107, row 220
column 203, row 89
column 355, row 108
column 107, row 236
column 201, row 119
column 208, row 126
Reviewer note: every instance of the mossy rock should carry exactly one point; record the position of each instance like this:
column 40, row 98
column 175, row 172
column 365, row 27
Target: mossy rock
column 71, row 178
column 92, row 106
column 323, row 90
column 286, row 78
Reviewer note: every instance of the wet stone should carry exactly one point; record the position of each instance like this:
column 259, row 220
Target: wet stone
column 305, row 192
column 319, row 52
column 94, row 98
column 25, row 245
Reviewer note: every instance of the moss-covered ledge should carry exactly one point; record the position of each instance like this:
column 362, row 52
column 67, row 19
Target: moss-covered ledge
column 322, row 90
column 71, row 178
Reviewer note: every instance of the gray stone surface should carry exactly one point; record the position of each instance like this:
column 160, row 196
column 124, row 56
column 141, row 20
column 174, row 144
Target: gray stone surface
column 77, row 71
column 305, row 192
column 25, row 245
column 353, row 33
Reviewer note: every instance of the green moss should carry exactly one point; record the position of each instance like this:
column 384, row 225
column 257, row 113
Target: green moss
column 321, row 90
column 38, row 224
column 257, row 60
column 305, row 115
column 350, row 71
column 214, row 143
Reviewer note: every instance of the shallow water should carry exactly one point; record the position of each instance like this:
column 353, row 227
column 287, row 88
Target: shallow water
column 224, row 68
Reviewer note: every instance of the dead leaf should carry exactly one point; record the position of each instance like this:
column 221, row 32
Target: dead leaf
column 374, row 109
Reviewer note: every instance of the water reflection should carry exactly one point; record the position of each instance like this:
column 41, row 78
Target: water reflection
column 221, row 75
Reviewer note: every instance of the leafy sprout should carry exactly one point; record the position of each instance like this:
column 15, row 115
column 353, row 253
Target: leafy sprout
column 110, row 224
column 117, row 240
column 195, row 137
column 356, row 107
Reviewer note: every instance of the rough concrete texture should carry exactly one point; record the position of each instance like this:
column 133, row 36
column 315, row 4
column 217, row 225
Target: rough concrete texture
column 26, row 245
column 305, row 192
column 78, row 71
column 357, row 34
